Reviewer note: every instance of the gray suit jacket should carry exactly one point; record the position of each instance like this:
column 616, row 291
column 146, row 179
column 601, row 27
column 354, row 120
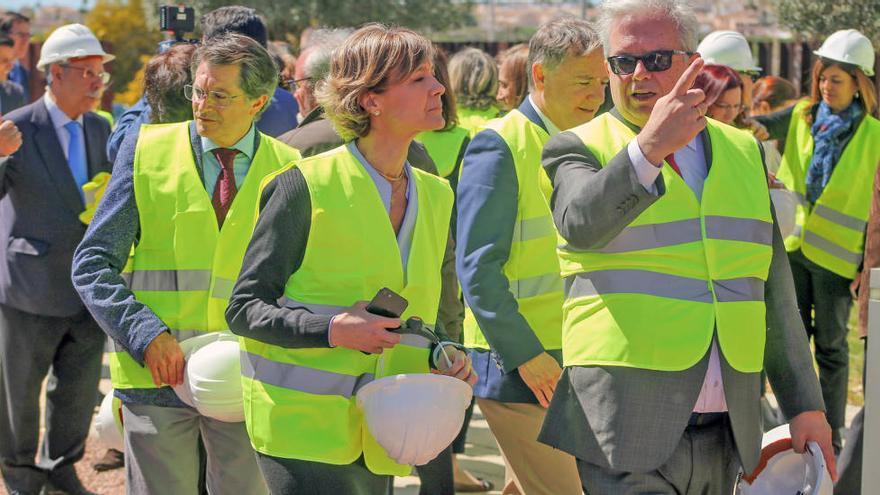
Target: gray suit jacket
column 11, row 97
column 39, row 213
column 631, row 419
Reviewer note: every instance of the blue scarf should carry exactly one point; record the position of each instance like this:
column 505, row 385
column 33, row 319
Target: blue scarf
column 829, row 131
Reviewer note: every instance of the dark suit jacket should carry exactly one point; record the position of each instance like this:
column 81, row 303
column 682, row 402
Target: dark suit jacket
column 631, row 419
column 11, row 97
column 39, row 213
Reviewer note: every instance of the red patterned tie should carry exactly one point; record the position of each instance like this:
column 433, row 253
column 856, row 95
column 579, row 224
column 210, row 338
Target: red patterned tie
column 224, row 189
column 671, row 160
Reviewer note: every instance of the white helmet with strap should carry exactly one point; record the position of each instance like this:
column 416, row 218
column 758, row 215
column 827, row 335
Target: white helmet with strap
column 782, row 471
column 70, row 41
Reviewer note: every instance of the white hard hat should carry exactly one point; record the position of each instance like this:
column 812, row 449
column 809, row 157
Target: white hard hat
column 212, row 379
column 70, row 41
column 781, row 471
column 108, row 423
column 414, row 417
column 785, row 203
column 851, row 47
column 728, row 48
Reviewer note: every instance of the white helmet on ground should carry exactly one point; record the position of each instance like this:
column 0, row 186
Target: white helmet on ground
column 728, row 48
column 850, row 47
column 70, row 41
column 415, row 416
column 781, row 471
column 108, row 423
column 212, row 378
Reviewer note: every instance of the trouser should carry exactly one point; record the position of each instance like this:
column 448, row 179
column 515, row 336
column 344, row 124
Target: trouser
column 436, row 476
column 827, row 295
column 295, row 476
column 162, row 453
column 849, row 464
column 531, row 468
column 704, row 463
column 458, row 445
column 32, row 346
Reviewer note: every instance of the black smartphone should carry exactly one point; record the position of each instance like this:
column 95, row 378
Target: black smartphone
column 387, row 303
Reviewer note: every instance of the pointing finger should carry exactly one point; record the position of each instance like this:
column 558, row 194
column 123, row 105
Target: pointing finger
column 687, row 79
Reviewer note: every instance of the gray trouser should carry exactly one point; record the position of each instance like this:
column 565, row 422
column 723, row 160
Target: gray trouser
column 824, row 301
column 32, row 346
column 704, row 462
column 162, row 455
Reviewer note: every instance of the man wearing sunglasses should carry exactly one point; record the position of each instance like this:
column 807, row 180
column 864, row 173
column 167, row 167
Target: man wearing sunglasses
column 677, row 288
column 44, row 326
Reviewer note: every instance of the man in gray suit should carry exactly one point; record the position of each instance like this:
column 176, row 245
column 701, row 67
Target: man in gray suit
column 661, row 386
column 43, row 323
column 11, row 94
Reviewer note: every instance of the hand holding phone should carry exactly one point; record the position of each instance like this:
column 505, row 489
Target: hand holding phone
column 387, row 303
column 358, row 329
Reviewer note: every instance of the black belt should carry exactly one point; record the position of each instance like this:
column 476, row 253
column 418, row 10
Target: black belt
column 703, row 419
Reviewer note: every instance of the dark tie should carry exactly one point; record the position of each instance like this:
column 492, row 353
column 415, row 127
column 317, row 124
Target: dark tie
column 671, row 160
column 224, row 189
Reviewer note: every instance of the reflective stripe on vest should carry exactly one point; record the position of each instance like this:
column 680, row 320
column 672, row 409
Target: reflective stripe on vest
column 653, row 295
column 183, row 267
column 532, row 267
column 831, row 233
column 299, row 403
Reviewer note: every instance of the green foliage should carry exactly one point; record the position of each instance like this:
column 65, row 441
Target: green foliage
column 124, row 25
column 818, row 19
column 292, row 16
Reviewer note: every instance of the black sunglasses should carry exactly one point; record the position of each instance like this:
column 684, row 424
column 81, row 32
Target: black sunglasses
column 656, row 61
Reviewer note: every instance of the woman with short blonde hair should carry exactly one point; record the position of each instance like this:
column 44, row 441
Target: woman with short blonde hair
column 334, row 229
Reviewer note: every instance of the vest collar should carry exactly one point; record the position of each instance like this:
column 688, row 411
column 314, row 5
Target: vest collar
column 531, row 113
column 704, row 135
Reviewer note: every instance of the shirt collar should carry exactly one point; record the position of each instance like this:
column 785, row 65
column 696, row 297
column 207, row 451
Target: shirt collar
column 245, row 145
column 59, row 118
column 551, row 127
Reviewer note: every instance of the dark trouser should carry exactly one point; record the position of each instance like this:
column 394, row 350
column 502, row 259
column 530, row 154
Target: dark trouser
column 458, row 445
column 31, row 345
column 704, row 462
column 827, row 295
column 436, row 476
column 849, row 464
column 294, row 476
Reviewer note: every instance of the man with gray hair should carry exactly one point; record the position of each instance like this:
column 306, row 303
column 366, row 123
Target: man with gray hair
column 677, row 285
column 506, row 254
column 185, row 196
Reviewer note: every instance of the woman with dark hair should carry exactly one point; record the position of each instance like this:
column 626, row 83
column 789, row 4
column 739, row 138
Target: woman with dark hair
column 830, row 158
column 446, row 146
column 771, row 94
column 724, row 91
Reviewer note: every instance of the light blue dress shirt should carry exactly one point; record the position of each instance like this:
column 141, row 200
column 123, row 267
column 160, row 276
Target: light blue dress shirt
column 240, row 166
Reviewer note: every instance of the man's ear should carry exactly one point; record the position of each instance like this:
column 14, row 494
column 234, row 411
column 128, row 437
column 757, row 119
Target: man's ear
column 538, row 76
column 259, row 103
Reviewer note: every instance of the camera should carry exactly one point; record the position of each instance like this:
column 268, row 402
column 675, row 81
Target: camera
column 177, row 20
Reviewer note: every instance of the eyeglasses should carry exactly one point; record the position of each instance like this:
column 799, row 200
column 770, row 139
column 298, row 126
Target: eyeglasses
column 656, row 61
column 89, row 73
column 216, row 98
column 293, row 84
column 751, row 74
column 21, row 34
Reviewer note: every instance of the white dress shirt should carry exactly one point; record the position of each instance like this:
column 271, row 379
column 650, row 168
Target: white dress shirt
column 59, row 120
column 548, row 124
column 691, row 160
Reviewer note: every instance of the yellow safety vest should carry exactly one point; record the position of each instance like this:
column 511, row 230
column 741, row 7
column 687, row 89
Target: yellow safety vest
column 301, row 403
column 831, row 233
column 444, row 147
column 473, row 120
column 651, row 297
column 532, row 269
column 183, row 267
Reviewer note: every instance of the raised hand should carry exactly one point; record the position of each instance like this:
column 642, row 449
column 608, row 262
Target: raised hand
column 10, row 138
column 676, row 118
